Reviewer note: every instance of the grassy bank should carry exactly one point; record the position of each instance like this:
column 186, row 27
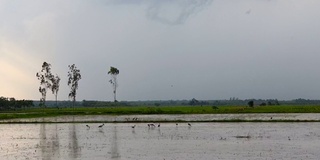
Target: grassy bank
column 50, row 112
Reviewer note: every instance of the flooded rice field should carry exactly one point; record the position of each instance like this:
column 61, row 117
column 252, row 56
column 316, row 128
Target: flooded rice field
column 170, row 141
column 171, row 117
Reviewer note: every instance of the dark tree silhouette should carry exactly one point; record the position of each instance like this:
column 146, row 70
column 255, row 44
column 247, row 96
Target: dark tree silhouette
column 55, row 80
column 114, row 73
column 263, row 104
column 13, row 104
column 44, row 76
column 74, row 76
column 250, row 103
column 193, row 102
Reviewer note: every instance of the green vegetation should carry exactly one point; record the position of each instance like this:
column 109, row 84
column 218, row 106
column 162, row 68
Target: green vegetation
column 12, row 103
column 51, row 112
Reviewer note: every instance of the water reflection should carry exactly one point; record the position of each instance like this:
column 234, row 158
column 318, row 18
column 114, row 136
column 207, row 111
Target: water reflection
column 49, row 142
column 56, row 142
column 101, row 131
column 43, row 141
column 201, row 141
column 73, row 144
column 115, row 154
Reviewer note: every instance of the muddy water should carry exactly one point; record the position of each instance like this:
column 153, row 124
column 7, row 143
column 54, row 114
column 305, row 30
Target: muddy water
column 177, row 117
column 119, row 141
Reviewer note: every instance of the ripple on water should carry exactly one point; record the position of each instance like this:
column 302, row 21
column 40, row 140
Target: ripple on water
column 170, row 141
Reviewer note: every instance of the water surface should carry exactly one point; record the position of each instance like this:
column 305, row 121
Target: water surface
column 169, row 141
column 172, row 117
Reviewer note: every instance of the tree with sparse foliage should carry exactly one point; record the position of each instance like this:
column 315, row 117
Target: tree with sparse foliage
column 114, row 73
column 74, row 76
column 55, row 80
column 44, row 76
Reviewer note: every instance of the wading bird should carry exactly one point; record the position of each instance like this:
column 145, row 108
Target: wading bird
column 189, row 124
column 151, row 125
column 88, row 126
column 133, row 126
column 101, row 126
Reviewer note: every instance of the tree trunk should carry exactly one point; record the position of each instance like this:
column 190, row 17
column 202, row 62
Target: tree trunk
column 74, row 101
column 56, row 100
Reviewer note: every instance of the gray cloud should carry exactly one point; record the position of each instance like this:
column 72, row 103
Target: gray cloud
column 166, row 11
column 205, row 49
column 175, row 12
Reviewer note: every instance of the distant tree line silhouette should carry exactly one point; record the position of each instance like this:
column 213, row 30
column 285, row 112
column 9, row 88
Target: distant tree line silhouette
column 213, row 103
column 13, row 104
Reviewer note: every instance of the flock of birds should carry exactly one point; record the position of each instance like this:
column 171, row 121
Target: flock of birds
column 150, row 125
column 100, row 126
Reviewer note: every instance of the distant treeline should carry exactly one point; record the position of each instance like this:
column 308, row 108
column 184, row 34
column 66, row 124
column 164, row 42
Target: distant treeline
column 192, row 102
column 227, row 102
column 12, row 103
column 84, row 103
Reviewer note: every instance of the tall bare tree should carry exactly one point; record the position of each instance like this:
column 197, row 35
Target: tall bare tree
column 74, row 76
column 114, row 73
column 44, row 76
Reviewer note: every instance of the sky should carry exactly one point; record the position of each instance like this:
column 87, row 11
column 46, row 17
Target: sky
column 164, row 49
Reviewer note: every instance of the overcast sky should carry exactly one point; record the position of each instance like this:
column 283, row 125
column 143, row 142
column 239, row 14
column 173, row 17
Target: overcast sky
column 164, row 49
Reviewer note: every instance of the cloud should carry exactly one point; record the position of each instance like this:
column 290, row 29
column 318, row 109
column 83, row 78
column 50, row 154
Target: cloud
column 175, row 12
column 206, row 51
column 170, row 12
